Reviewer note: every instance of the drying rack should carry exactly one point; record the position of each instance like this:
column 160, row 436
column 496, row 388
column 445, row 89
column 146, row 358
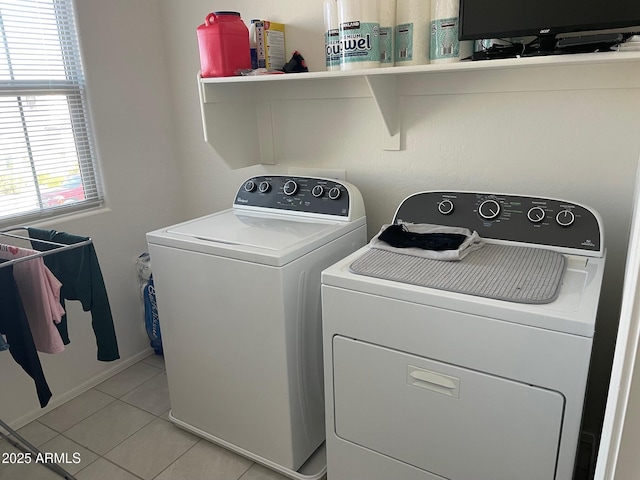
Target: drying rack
column 20, row 442
column 60, row 247
column 26, row 447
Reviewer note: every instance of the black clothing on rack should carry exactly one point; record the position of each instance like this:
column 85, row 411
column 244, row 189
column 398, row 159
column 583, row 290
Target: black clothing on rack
column 79, row 272
column 14, row 324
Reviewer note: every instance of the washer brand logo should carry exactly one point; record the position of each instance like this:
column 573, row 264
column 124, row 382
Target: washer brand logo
column 241, row 200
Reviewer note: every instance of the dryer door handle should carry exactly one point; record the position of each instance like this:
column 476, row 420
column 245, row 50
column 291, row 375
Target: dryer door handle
column 434, row 381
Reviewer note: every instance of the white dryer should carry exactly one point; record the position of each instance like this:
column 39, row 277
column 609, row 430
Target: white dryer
column 238, row 297
column 425, row 380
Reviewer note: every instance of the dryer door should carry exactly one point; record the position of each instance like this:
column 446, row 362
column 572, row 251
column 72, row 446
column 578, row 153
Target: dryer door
column 449, row 421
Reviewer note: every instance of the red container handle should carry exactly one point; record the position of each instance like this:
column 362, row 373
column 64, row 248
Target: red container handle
column 207, row 20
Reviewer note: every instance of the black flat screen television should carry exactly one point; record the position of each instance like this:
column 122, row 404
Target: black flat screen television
column 545, row 19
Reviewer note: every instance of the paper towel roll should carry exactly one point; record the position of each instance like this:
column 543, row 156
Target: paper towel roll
column 331, row 35
column 387, row 32
column 413, row 20
column 359, row 34
column 444, row 9
column 445, row 47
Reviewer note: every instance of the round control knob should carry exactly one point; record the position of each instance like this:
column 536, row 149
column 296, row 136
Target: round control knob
column 249, row 186
column 334, row 193
column 317, row 191
column 489, row 209
column 445, row 207
column 264, row 187
column 536, row 214
column 565, row 218
column 290, row 187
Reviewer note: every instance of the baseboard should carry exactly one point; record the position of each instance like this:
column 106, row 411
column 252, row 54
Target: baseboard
column 80, row 389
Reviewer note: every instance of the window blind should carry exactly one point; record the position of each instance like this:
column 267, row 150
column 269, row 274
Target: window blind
column 47, row 161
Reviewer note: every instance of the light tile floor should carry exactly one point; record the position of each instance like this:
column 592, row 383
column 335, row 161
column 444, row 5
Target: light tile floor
column 119, row 430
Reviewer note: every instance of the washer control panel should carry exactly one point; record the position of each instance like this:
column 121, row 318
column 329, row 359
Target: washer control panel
column 307, row 195
column 532, row 220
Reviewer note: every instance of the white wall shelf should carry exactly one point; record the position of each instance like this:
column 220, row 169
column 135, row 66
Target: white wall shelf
column 237, row 111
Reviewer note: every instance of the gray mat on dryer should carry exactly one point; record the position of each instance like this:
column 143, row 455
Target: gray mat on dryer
column 502, row 272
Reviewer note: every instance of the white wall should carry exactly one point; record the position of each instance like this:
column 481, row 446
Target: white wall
column 573, row 137
column 628, row 462
column 617, row 455
column 125, row 62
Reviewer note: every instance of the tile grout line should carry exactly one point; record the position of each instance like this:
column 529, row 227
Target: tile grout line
column 113, row 399
column 98, row 411
column 137, row 408
column 183, row 454
column 122, row 468
column 132, row 389
column 80, row 421
column 119, row 443
column 245, row 472
column 162, row 371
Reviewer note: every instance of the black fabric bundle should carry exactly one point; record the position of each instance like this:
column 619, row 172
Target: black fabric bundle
column 398, row 236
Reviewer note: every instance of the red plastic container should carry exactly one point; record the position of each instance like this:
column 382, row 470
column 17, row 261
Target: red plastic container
column 223, row 41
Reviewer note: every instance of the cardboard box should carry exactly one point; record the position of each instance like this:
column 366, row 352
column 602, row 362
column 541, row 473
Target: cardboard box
column 270, row 44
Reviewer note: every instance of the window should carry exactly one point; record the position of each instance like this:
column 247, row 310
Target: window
column 46, row 152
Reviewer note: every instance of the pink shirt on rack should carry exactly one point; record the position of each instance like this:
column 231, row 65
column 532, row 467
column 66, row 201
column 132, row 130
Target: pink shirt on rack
column 40, row 293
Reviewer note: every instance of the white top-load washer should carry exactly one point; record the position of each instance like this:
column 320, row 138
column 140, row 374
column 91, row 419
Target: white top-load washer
column 424, row 381
column 238, row 297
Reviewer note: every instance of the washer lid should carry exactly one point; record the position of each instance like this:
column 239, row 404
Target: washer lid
column 258, row 237
column 259, row 231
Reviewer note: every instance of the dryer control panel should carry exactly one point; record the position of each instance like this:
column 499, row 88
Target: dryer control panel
column 538, row 221
column 306, row 195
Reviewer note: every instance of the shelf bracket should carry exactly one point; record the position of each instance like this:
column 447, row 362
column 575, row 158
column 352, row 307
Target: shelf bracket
column 226, row 106
column 383, row 90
